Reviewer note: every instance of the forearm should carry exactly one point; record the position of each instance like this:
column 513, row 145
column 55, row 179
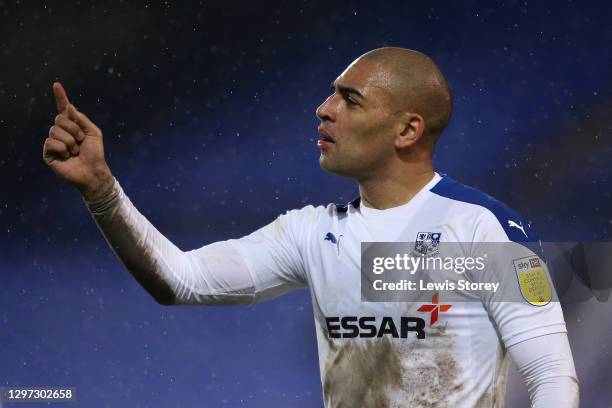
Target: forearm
column 254, row 268
column 137, row 243
column 213, row 274
column 547, row 367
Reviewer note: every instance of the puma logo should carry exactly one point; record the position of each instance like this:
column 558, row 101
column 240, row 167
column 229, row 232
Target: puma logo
column 519, row 226
column 332, row 238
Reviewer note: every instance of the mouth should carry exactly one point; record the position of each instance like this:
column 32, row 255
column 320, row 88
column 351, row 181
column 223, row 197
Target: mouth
column 325, row 137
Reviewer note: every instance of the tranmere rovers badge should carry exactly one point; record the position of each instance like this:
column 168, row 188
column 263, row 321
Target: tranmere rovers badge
column 533, row 280
column 427, row 243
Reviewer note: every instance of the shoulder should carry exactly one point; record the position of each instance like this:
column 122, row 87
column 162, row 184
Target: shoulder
column 312, row 217
column 309, row 215
column 491, row 215
column 329, row 210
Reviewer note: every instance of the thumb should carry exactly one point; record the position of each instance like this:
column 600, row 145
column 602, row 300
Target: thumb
column 82, row 120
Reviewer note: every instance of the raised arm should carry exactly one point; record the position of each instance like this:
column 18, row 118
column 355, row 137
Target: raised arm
column 256, row 267
column 74, row 149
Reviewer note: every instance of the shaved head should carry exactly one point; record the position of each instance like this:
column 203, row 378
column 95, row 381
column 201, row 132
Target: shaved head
column 417, row 85
column 386, row 112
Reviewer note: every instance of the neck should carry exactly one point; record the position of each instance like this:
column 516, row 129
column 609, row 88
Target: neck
column 387, row 191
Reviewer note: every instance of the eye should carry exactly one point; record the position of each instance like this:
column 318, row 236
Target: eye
column 346, row 96
column 351, row 102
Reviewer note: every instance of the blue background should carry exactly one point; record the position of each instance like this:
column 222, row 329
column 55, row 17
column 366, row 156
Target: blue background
column 208, row 114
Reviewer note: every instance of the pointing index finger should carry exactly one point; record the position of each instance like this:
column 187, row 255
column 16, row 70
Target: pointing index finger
column 61, row 99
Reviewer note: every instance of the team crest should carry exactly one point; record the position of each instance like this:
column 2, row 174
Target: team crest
column 533, row 280
column 427, row 243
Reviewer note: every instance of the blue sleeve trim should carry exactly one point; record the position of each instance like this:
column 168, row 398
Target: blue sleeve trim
column 516, row 227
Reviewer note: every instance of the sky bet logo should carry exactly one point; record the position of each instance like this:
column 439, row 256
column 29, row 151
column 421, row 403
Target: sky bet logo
column 349, row 327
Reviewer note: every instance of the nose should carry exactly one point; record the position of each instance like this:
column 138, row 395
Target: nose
column 325, row 111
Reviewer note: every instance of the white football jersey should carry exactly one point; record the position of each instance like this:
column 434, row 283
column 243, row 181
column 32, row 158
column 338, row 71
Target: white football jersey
column 426, row 353
column 394, row 354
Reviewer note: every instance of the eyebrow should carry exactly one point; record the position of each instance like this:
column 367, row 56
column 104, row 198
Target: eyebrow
column 345, row 90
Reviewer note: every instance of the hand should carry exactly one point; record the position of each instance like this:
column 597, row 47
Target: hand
column 74, row 149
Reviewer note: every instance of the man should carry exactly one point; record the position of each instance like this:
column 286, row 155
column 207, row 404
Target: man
column 379, row 127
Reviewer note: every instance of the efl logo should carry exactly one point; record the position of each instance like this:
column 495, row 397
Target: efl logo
column 533, row 280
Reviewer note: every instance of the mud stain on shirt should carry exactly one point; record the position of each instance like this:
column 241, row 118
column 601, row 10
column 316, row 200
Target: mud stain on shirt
column 360, row 375
column 392, row 373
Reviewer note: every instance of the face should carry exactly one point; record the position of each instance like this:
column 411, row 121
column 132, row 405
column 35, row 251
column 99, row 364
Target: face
column 357, row 122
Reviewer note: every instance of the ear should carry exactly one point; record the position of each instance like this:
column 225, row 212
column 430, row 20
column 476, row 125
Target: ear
column 410, row 130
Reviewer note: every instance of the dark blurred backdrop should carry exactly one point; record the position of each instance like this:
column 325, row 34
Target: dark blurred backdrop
column 208, row 114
